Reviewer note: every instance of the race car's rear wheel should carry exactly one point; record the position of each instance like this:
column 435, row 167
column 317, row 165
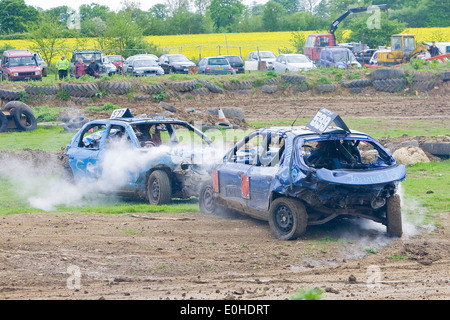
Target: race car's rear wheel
column 287, row 218
column 394, row 216
column 159, row 189
column 206, row 200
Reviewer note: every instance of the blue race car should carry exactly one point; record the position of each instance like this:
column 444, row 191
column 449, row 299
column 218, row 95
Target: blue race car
column 297, row 176
column 135, row 156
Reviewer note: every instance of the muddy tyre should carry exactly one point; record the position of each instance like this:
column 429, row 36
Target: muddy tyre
column 287, row 218
column 24, row 119
column 210, row 86
column 321, row 88
column 445, row 76
column 152, row 89
column 394, row 216
column 159, row 188
column 182, row 86
column 389, row 85
column 3, row 122
column 382, row 74
column 269, row 88
column 9, row 95
column 41, row 90
column 423, row 86
column 119, row 88
column 293, row 78
column 15, row 104
column 206, row 200
column 80, row 90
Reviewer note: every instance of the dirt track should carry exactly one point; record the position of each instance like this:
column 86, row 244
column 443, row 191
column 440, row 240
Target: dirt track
column 191, row 256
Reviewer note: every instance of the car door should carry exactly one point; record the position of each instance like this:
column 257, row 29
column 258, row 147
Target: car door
column 277, row 65
column 262, row 174
column 233, row 173
column 116, row 146
column 83, row 151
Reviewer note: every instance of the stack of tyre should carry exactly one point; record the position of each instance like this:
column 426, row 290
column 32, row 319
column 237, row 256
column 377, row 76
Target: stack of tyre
column 389, row 80
column 19, row 114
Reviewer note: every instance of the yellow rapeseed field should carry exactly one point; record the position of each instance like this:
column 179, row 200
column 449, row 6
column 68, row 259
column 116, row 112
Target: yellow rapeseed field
column 196, row 45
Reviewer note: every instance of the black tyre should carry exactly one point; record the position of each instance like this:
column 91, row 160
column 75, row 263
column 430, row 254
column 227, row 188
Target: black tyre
column 152, row 89
column 80, row 90
column 269, row 88
column 15, row 104
column 3, row 122
column 9, row 95
column 422, row 86
column 206, row 200
column 210, row 86
column 287, row 218
column 389, row 85
column 24, row 119
column 119, row 88
column 394, row 216
column 445, row 76
column 293, row 78
column 77, row 122
column 381, row 74
column 326, row 88
column 159, row 188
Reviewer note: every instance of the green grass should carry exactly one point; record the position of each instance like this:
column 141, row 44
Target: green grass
column 377, row 127
column 427, row 185
column 43, row 138
column 14, row 200
column 308, row 294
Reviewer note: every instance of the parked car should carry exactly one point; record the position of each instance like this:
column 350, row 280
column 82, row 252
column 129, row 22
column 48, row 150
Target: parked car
column 143, row 66
column 236, row 63
column 338, row 57
column 298, row 176
column 292, row 63
column 130, row 59
column 110, row 68
column 20, row 65
column 175, row 63
column 158, row 167
column 42, row 64
column 117, row 60
column 215, row 65
column 87, row 56
column 363, row 57
column 374, row 58
column 253, row 59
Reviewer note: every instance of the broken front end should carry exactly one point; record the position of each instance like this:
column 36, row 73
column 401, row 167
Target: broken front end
column 341, row 175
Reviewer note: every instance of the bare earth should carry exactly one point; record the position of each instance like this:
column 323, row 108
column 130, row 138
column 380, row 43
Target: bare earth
column 192, row 256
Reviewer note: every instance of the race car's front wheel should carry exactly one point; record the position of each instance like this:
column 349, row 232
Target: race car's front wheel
column 159, row 188
column 206, row 200
column 394, row 216
column 287, row 218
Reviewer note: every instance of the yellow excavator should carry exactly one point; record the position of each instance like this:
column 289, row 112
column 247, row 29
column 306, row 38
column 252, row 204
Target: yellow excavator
column 403, row 49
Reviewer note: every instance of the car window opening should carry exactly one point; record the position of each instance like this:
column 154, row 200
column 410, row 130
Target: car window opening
column 343, row 154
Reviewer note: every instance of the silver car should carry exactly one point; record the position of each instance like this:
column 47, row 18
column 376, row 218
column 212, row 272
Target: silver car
column 143, row 66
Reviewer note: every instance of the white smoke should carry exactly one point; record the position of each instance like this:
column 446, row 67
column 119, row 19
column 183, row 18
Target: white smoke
column 42, row 186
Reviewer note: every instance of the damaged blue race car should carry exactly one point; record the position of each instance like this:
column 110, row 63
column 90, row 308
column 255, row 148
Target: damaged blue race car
column 150, row 158
column 298, row 176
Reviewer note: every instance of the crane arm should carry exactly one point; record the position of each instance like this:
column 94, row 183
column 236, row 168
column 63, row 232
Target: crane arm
column 335, row 24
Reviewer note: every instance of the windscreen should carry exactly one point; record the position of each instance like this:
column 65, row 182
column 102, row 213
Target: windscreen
column 297, row 59
column 22, row 61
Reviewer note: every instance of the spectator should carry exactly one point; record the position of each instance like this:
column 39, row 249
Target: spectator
column 433, row 50
column 93, row 68
column 63, row 66
column 80, row 68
